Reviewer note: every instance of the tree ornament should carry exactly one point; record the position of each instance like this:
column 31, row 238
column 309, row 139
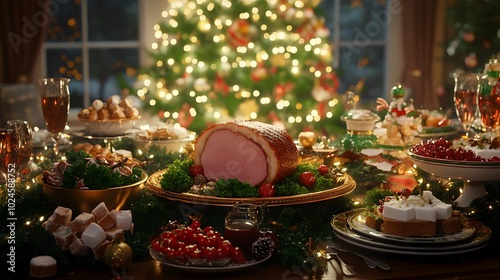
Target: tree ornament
column 471, row 60
column 307, row 139
column 469, row 37
column 240, row 33
column 117, row 255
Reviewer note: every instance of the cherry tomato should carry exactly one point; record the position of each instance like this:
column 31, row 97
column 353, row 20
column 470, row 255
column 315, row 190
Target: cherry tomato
column 201, row 240
column 195, row 224
column 195, row 169
column 156, row 244
column 237, row 256
column 227, row 247
column 266, row 190
column 210, row 253
column 323, row 169
column 208, row 229
column 170, row 243
column 196, row 254
column 307, row 179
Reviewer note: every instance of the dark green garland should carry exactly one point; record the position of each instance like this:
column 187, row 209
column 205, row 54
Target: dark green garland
column 295, row 225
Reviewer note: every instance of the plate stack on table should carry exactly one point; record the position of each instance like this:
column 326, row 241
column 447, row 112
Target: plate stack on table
column 350, row 227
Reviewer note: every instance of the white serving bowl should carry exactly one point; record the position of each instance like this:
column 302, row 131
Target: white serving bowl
column 473, row 173
column 116, row 127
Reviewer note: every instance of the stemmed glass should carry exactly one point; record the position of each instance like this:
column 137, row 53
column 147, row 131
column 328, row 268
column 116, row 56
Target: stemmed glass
column 489, row 103
column 55, row 107
column 465, row 98
column 25, row 134
column 9, row 152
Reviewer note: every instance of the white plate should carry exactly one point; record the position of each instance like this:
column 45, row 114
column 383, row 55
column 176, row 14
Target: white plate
column 357, row 222
column 206, row 269
column 465, row 170
column 342, row 231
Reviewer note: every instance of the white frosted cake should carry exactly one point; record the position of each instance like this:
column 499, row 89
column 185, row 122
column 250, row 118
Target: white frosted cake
column 425, row 207
column 416, row 215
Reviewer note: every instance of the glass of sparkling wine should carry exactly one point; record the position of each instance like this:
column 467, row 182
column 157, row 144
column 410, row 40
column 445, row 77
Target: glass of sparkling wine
column 55, row 107
column 465, row 98
column 489, row 104
column 9, row 152
column 25, row 134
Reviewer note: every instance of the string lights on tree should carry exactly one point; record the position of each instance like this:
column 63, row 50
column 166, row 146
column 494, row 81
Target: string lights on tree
column 267, row 60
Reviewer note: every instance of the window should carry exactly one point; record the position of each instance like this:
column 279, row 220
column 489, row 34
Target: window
column 358, row 30
column 95, row 44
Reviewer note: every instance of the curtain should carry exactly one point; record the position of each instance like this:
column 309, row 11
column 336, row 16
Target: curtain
column 419, row 26
column 22, row 29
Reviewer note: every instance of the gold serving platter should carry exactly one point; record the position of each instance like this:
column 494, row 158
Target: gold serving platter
column 153, row 185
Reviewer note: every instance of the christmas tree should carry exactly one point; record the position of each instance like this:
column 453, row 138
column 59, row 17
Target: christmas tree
column 476, row 34
column 266, row 60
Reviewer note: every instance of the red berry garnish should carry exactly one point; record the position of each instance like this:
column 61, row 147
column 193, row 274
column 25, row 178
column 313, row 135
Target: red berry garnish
column 323, row 169
column 404, row 193
column 266, row 190
column 307, row 179
column 195, row 169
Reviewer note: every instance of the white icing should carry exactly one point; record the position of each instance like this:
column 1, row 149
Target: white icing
column 425, row 207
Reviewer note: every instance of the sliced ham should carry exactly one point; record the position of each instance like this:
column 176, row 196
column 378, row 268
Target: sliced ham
column 249, row 151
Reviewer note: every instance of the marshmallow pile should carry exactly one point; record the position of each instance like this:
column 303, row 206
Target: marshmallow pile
column 88, row 233
column 114, row 108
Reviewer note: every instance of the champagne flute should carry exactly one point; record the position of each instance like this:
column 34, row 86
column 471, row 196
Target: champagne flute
column 465, row 98
column 9, row 152
column 489, row 103
column 55, row 107
column 25, row 134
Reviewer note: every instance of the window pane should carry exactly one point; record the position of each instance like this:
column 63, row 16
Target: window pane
column 110, row 70
column 67, row 63
column 113, row 20
column 366, row 64
column 65, row 23
column 363, row 20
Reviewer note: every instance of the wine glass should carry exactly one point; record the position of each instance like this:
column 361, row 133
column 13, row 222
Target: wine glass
column 55, row 107
column 25, row 134
column 9, row 152
column 489, row 103
column 465, row 98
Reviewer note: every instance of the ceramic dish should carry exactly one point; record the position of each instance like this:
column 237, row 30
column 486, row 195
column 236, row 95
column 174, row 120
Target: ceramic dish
column 206, row 269
column 357, row 223
column 342, row 230
column 107, row 127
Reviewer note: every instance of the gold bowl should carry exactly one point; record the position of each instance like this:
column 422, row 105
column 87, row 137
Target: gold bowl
column 80, row 201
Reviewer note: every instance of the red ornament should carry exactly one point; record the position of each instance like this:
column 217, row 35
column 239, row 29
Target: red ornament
column 239, row 33
column 220, row 85
column 185, row 118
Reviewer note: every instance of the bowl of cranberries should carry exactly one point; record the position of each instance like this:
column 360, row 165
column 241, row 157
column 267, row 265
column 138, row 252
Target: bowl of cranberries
column 467, row 159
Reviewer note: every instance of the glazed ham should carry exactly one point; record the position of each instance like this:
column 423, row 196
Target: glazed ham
column 249, row 151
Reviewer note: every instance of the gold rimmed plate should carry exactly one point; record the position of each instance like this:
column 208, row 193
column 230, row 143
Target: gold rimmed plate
column 153, row 185
column 357, row 222
column 341, row 228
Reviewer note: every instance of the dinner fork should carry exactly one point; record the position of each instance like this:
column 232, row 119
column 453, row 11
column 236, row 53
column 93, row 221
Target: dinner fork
column 371, row 263
column 346, row 269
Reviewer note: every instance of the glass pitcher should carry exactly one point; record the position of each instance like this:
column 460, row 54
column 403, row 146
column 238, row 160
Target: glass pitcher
column 242, row 225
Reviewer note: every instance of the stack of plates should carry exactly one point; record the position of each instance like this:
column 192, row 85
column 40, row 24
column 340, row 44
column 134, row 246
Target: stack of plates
column 350, row 227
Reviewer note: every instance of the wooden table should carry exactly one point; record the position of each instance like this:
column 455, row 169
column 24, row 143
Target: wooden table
column 483, row 264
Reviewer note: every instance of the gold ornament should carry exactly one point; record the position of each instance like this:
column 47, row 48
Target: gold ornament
column 307, row 139
column 117, row 255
